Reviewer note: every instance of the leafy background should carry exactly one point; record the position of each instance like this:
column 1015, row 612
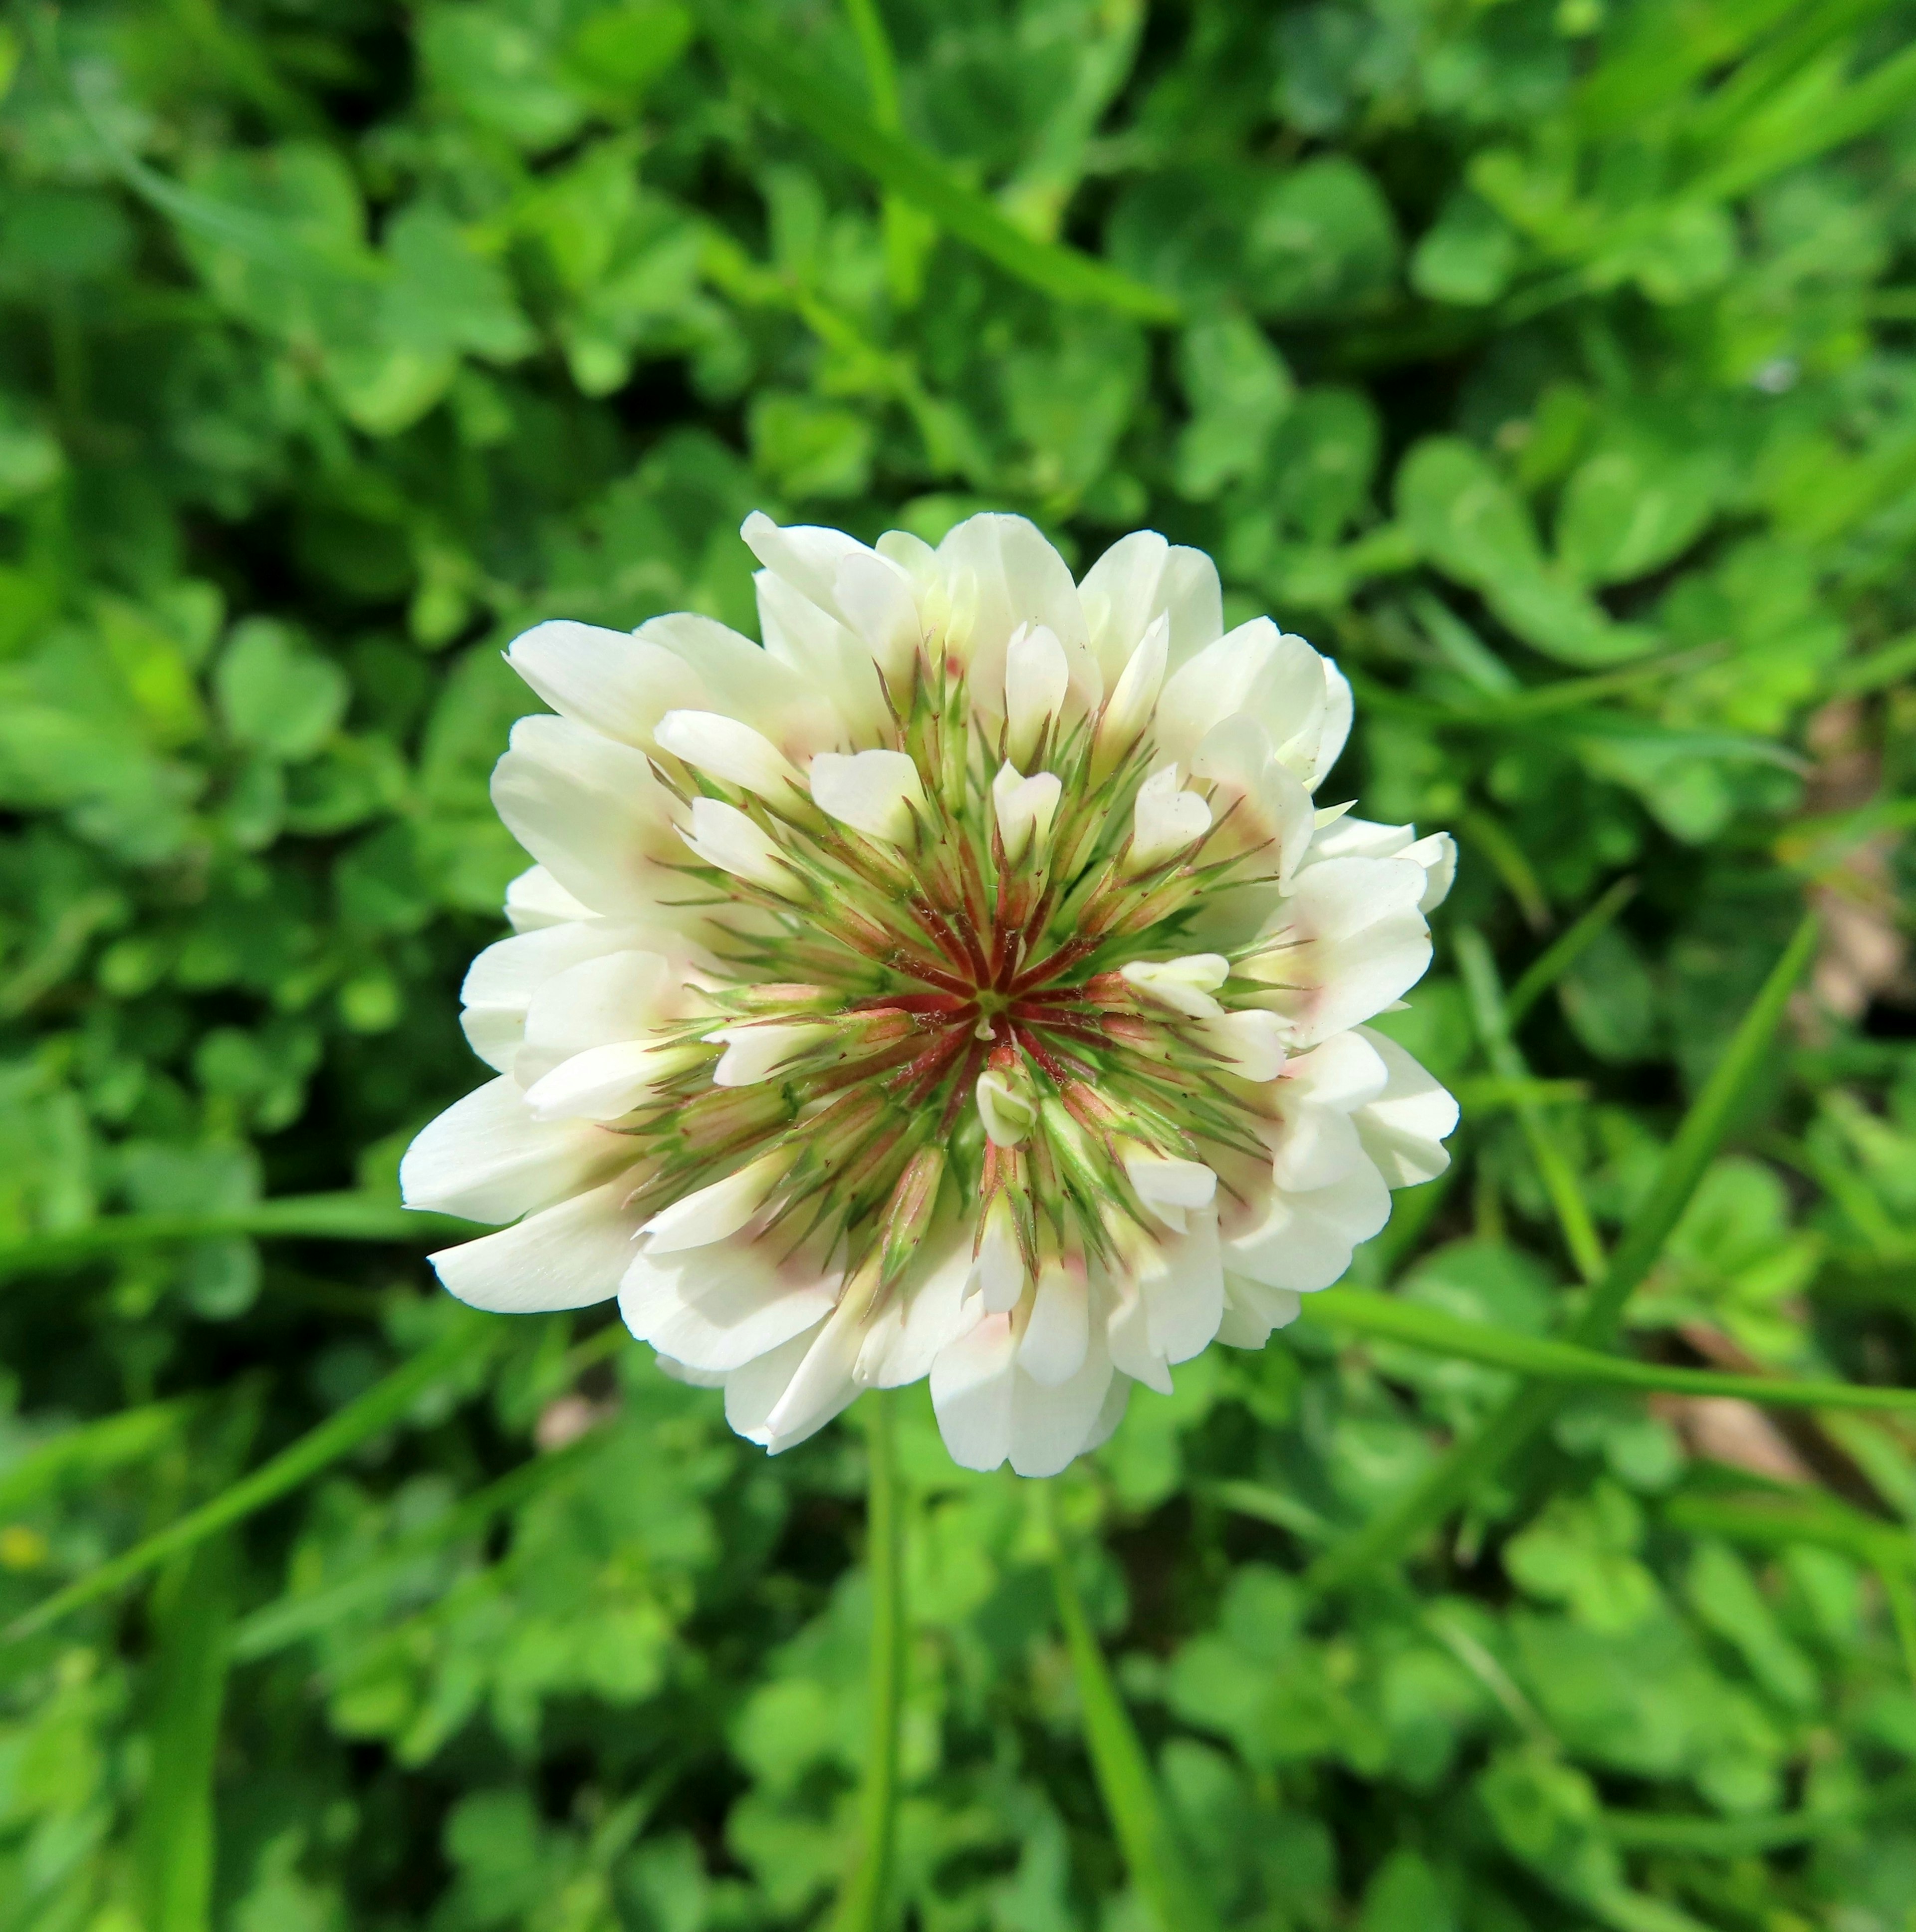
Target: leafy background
column 1550, row 362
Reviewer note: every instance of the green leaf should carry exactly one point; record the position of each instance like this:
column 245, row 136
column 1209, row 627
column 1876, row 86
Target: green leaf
column 276, row 695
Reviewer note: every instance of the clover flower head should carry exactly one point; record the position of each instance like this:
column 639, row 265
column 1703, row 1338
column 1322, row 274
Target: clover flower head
column 964, row 983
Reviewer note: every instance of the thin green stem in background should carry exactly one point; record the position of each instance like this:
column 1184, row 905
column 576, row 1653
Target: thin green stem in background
column 866, row 1905
column 1160, row 1873
column 826, row 113
column 347, row 1216
column 382, row 1405
column 1393, row 1532
column 1559, row 1182
column 1416, row 1325
column 175, row 1839
column 1563, row 952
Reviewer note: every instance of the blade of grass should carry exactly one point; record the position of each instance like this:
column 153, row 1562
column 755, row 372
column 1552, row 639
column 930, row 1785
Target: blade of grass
column 1420, row 1326
column 382, row 1405
column 1508, row 860
column 288, row 1619
column 1153, row 1856
column 1393, row 1531
column 347, row 1216
column 865, row 1905
column 1553, row 1167
column 174, row 1838
column 909, row 232
column 1563, row 952
column 822, row 108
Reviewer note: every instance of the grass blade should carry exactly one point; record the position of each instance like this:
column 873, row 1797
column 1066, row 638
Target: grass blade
column 1418, row 1326
column 1553, row 1167
column 1393, row 1531
column 379, row 1408
column 288, row 1619
column 866, row 1903
column 1563, row 952
column 347, row 1216
column 820, row 107
column 1153, row 1854
column 174, row 1842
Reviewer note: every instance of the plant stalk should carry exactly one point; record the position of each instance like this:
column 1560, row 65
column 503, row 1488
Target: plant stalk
column 865, row 1905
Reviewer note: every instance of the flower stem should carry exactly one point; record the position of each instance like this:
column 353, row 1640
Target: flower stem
column 865, row 1903
column 1152, row 1856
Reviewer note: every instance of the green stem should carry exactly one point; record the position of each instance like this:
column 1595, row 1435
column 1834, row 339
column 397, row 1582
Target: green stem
column 349, row 1217
column 1153, row 1855
column 865, row 1906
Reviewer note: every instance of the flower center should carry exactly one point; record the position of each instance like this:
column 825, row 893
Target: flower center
column 925, row 923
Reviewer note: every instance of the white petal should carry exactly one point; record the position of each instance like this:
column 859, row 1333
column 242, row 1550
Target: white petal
column 615, row 684
column 1127, row 1330
column 1339, row 709
column 971, row 1391
column 490, row 1158
column 1001, row 1276
column 807, row 555
column 604, row 1083
column 1304, row 1241
column 1014, row 577
column 752, row 1392
column 750, row 684
column 1139, row 579
column 1252, row 1311
column 1007, row 1115
column 1165, row 819
column 1167, row 1187
column 1264, row 807
column 756, row 1052
column 1252, row 1043
column 536, row 898
column 712, row 1213
column 1186, row 985
column 1024, row 807
column 618, row 999
column 722, row 1306
column 1182, row 1290
column 1404, row 1127
column 1437, row 855
column 723, row 748
column 875, row 600
column 1051, row 1425
column 1347, row 942
column 568, row 1256
column 876, row 793
column 722, row 836
column 822, row 1385
column 590, row 811
column 1256, row 671
column 1037, row 681
column 1060, row 1330
column 932, row 1312
column 1129, row 710
column 824, row 653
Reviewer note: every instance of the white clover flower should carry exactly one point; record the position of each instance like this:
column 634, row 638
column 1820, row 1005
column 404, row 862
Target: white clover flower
column 964, row 984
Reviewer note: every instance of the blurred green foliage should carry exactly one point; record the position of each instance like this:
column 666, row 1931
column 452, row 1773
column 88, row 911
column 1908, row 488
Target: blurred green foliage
column 1552, row 362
